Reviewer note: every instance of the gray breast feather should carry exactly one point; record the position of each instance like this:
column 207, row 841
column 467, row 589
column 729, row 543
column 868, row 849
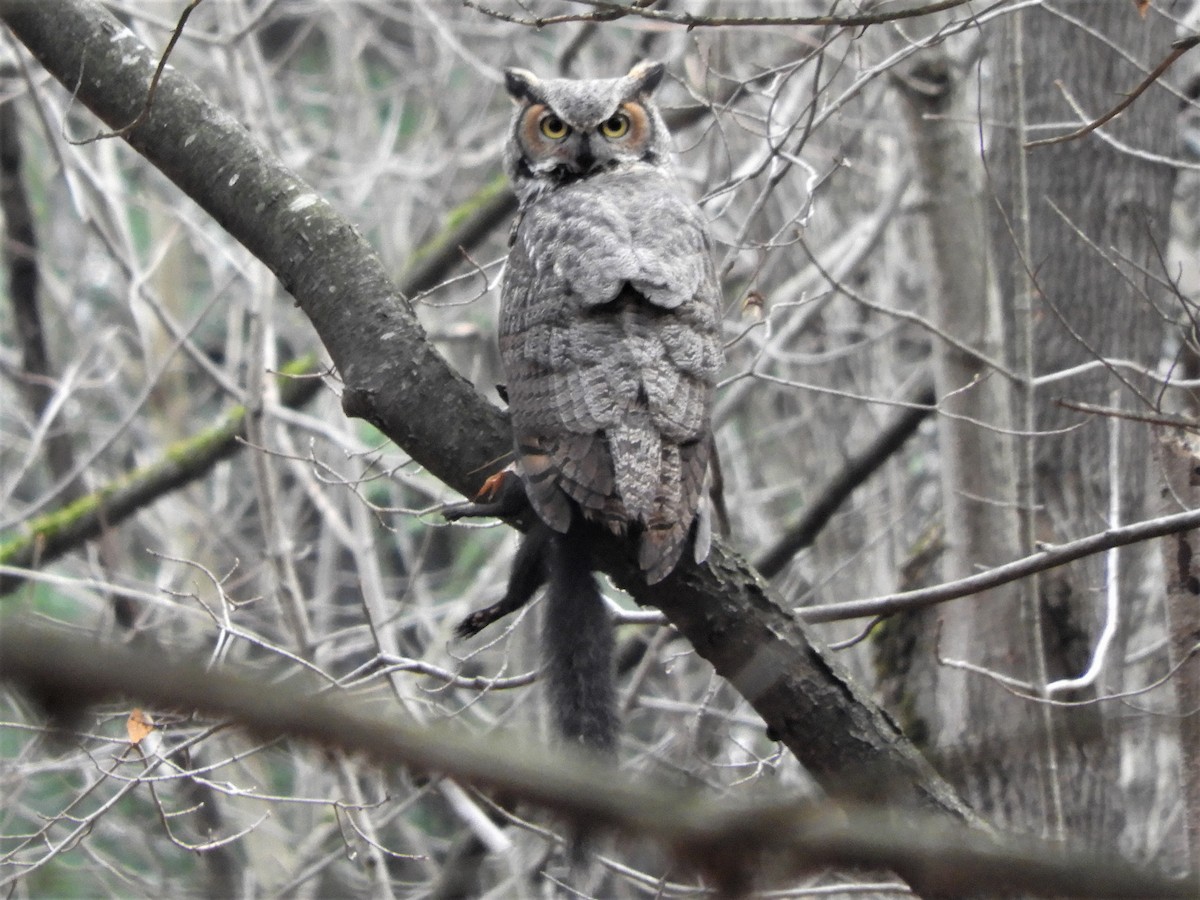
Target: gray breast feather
column 593, row 238
column 609, row 334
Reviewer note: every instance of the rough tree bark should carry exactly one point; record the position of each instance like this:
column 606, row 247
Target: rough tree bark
column 1180, row 454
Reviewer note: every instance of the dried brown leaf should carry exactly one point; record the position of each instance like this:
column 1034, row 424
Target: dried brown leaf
column 138, row 726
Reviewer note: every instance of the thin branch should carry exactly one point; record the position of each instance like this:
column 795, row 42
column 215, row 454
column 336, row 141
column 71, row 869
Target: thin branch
column 917, row 319
column 1167, row 420
column 608, row 12
column 1049, row 558
column 144, row 113
column 1179, row 47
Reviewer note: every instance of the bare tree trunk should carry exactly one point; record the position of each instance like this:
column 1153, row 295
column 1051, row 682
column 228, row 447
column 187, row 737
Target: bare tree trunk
column 1181, row 555
column 1082, row 221
column 977, row 463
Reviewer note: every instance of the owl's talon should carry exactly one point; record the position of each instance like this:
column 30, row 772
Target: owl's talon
column 502, row 496
column 493, row 486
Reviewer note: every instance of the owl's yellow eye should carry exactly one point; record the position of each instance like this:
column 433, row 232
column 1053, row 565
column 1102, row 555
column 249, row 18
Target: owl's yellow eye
column 616, row 126
column 553, row 127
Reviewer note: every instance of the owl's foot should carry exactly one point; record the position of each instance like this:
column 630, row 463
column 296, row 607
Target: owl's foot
column 502, row 496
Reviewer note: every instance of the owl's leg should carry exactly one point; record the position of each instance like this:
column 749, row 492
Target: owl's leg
column 503, row 496
column 527, row 575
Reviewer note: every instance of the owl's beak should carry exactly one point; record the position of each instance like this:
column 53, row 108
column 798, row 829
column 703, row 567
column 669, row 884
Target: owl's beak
column 585, row 159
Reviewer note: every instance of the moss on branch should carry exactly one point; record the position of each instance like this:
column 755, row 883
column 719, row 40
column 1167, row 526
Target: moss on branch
column 51, row 534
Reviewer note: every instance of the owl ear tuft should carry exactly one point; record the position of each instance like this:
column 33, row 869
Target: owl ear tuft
column 645, row 77
column 523, row 85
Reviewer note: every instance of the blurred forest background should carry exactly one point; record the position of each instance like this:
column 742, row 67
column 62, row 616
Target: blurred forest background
column 947, row 350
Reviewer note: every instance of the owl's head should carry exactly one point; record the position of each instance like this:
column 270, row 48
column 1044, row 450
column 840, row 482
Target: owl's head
column 567, row 129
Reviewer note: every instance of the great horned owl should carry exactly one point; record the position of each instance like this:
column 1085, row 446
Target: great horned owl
column 609, row 338
column 609, row 314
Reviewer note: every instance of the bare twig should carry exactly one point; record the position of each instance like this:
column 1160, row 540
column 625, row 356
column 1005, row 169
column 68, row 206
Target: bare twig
column 1179, row 47
column 1166, row 420
column 144, row 113
column 48, row 536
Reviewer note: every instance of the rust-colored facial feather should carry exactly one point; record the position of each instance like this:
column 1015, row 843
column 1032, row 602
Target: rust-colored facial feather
column 538, row 145
column 639, row 123
column 531, row 135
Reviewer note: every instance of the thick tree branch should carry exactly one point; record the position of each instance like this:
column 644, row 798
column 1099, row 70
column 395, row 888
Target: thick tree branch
column 395, row 378
column 734, row 620
column 728, row 843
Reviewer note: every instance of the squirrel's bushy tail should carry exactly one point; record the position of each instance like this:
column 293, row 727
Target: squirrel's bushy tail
column 578, row 647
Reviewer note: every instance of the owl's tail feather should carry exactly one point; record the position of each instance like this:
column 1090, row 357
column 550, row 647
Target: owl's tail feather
column 577, row 642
